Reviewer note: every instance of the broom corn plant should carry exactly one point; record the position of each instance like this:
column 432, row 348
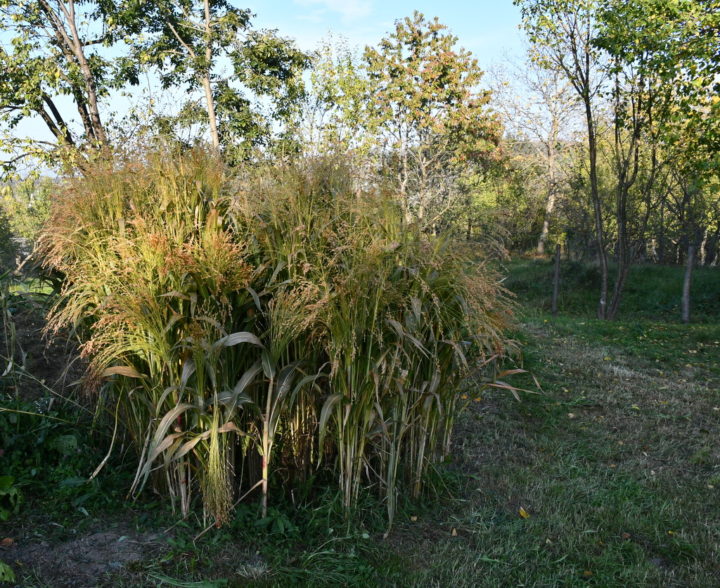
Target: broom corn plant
column 272, row 318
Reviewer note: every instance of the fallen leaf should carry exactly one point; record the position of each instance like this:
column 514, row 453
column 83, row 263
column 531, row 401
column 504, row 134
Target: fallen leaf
column 7, row 542
column 587, row 573
column 523, row 513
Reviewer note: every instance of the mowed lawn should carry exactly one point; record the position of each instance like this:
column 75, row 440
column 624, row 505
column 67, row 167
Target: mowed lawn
column 608, row 477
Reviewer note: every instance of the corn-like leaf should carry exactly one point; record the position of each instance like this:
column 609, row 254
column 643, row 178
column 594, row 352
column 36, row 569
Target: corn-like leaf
column 237, row 338
column 267, row 365
column 121, row 370
column 187, row 372
column 255, row 297
column 327, row 409
column 237, row 396
column 160, row 432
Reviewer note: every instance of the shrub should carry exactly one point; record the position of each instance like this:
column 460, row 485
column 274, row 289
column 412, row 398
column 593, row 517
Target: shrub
column 278, row 317
column 8, row 248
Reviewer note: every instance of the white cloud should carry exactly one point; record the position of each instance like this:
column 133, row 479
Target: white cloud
column 349, row 10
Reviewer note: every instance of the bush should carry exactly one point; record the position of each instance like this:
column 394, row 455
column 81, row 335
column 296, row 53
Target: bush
column 8, row 248
column 278, row 317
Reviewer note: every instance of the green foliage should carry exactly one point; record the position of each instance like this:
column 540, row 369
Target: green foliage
column 52, row 53
column 9, row 498
column 6, row 573
column 183, row 42
column 27, row 205
column 427, row 109
column 50, row 457
column 7, row 244
column 283, row 314
column 62, row 58
column 677, row 43
column 339, row 104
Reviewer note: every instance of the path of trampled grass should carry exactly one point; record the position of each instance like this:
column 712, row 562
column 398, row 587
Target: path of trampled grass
column 617, row 464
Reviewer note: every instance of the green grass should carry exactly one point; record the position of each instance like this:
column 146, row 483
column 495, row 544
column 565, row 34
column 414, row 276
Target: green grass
column 616, row 461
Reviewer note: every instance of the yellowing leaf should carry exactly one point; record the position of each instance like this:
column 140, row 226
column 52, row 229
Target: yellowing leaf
column 523, row 513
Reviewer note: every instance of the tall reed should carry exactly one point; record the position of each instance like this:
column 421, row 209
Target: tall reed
column 279, row 313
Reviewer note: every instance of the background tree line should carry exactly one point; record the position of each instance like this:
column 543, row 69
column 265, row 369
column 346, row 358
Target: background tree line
column 604, row 141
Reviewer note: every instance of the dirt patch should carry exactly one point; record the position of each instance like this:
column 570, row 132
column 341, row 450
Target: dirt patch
column 41, row 361
column 88, row 561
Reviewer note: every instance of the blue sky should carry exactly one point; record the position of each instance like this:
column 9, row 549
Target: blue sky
column 488, row 28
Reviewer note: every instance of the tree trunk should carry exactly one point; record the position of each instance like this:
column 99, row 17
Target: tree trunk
column 552, row 189
column 703, row 247
column 686, row 284
column 88, row 78
column 602, row 311
column 556, row 281
column 212, row 117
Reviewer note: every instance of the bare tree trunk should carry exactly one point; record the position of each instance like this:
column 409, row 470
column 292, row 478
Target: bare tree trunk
column 703, row 247
column 556, row 281
column 88, row 77
column 212, row 117
column 552, row 189
column 602, row 311
column 623, row 271
column 686, row 284
column 624, row 255
column 70, row 44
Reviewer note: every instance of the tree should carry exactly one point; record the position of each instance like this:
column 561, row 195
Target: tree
column 664, row 68
column 565, row 30
column 538, row 107
column 65, row 56
column 337, row 116
column 652, row 68
column 431, row 120
column 51, row 55
column 184, row 43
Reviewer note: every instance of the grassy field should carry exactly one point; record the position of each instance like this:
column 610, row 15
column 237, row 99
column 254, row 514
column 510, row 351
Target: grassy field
column 607, row 475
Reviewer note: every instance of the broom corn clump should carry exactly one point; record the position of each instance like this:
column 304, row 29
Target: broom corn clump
column 272, row 316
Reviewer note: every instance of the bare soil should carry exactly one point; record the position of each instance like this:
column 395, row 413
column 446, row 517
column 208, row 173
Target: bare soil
column 90, row 560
